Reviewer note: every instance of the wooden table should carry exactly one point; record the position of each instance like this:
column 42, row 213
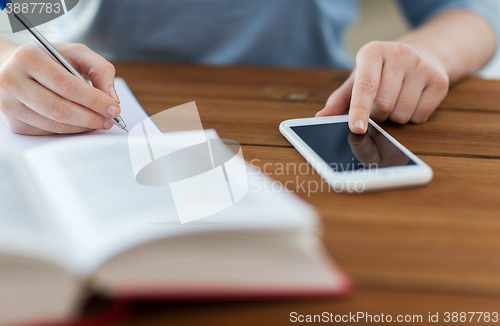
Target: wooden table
column 414, row 251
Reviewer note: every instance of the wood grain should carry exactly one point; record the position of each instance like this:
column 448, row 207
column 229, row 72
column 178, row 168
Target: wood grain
column 232, row 82
column 446, row 233
column 255, row 122
column 411, row 251
column 372, row 301
column 265, row 83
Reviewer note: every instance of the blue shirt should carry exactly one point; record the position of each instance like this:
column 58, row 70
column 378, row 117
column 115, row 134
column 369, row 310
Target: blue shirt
column 249, row 32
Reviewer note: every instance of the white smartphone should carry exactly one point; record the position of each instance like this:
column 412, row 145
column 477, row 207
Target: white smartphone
column 355, row 163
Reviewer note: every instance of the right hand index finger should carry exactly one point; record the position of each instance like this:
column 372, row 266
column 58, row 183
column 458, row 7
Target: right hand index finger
column 369, row 63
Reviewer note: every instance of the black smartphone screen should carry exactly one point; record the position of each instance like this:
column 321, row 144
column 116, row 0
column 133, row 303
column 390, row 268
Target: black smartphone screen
column 345, row 151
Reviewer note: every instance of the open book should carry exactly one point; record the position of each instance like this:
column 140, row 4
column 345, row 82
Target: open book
column 73, row 220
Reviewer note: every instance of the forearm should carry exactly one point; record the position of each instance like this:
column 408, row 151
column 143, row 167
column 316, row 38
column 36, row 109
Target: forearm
column 461, row 41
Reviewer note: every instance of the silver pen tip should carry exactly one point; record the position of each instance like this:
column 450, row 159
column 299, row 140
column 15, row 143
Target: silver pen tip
column 119, row 122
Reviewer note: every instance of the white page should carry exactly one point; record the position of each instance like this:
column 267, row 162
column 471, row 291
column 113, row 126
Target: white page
column 132, row 113
column 27, row 230
column 16, row 212
column 91, row 185
column 25, row 227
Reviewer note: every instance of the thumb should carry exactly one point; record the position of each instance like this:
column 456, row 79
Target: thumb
column 339, row 101
column 100, row 71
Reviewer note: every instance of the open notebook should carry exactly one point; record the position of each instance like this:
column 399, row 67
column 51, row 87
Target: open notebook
column 74, row 221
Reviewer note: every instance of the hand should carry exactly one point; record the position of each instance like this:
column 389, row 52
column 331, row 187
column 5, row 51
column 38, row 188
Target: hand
column 40, row 97
column 391, row 80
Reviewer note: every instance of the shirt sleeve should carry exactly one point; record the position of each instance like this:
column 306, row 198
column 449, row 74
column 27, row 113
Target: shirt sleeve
column 419, row 11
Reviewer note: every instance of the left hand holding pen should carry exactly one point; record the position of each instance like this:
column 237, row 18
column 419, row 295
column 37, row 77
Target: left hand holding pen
column 392, row 80
column 40, row 97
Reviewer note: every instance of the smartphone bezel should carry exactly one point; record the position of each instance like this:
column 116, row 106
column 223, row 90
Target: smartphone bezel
column 348, row 181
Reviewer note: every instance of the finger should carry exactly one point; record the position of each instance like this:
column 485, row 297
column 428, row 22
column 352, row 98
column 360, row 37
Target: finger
column 100, row 71
column 338, row 102
column 388, row 92
column 40, row 125
column 431, row 97
column 410, row 94
column 366, row 84
column 58, row 109
column 22, row 128
column 23, row 120
column 55, row 78
column 8, row 113
column 364, row 148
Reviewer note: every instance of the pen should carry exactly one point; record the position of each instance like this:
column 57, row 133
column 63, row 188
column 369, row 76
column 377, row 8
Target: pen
column 43, row 43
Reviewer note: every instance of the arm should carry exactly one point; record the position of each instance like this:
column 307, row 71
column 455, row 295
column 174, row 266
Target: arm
column 461, row 41
column 39, row 97
column 405, row 81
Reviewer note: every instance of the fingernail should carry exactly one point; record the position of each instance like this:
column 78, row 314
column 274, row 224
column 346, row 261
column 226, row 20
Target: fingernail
column 108, row 125
column 113, row 111
column 360, row 124
column 318, row 113
column 113, row 94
